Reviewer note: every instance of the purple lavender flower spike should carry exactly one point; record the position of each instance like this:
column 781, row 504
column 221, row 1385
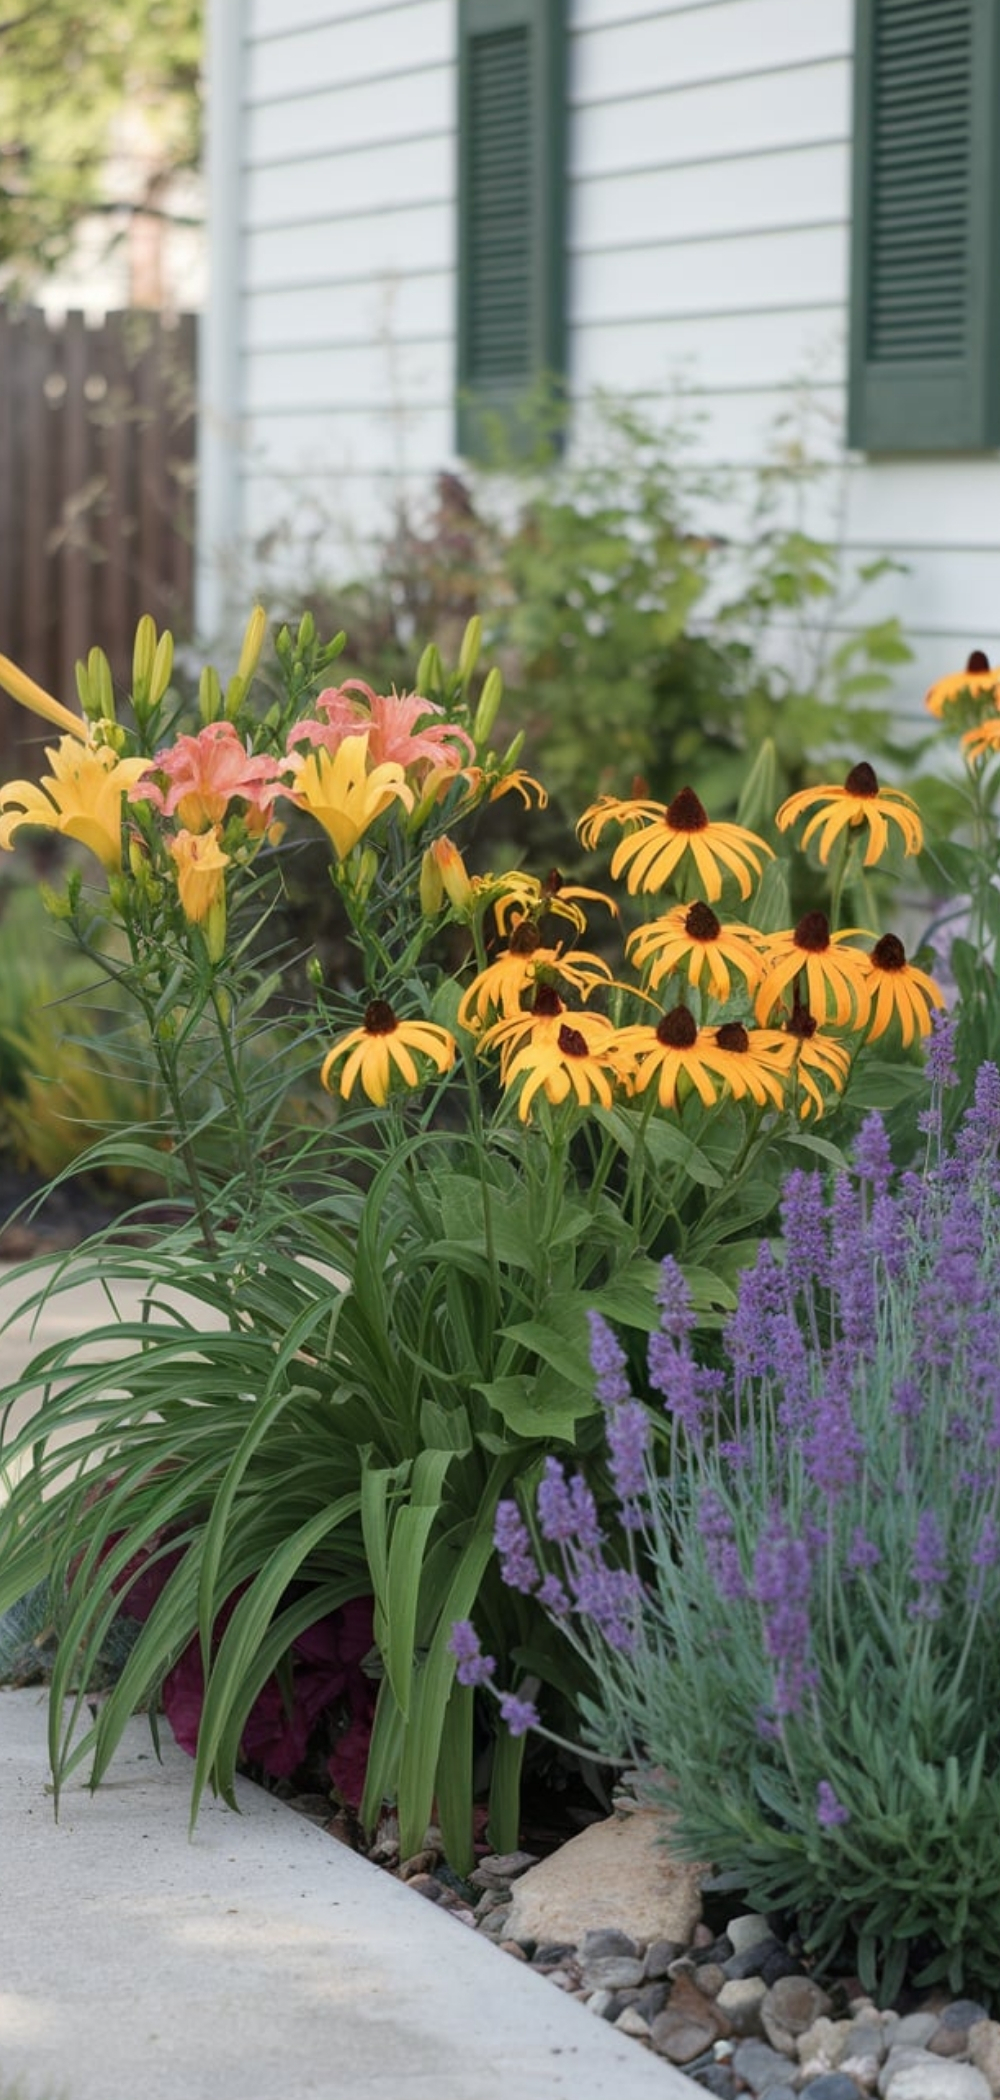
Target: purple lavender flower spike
column 611, row 1598
column 782, row 1585
column 835, row 1447
column 473, row 1666
column 555, row 1510
column 829, row 1811
column 941, row 1067
column 862, row 1551
column 715, row 1526
column 518, row 1714
column 803, row 1226
column 518, row 1567
column 552, row 1597
column 762, row 1294
column 872, row 1154
column 929, row 1567
column 984, row 1555
column 674, row 1300
column 628, row 1441
column 607, row 1361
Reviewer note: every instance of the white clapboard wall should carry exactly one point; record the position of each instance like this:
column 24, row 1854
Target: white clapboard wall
column 709, row 206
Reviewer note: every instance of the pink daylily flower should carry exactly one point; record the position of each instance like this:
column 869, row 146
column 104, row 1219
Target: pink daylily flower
column 203, row 774
column 399, row 725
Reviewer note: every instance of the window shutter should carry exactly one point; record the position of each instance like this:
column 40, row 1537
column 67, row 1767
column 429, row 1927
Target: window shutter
column 925, row 291
column 511, row 210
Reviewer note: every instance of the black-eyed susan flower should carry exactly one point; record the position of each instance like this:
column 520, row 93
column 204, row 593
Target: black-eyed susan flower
column 499, row 988
column 683, row 832
column 675, row 1054
column 691, row 939
column 524, row 896
column 860, row 801
column 541, row 1022
column 384, row 1048
column 615, row 809
column 577, row 1061
column 983, row 740
column 813, row 1056
column 817, row 969
column 977, row 682
column 81, row 798
column 750, row 1061
column 897, row 988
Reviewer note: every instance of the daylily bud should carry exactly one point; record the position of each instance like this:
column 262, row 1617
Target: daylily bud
column 314, row 972
column 431, row 885
column 143, row 654
column 88, row 704
column 489, row 707
column 513, row 752
column 235, row 691
column 209, row 696
column 468, row 655
column 163, row 664
column 253, row 643
column 57, row 906
column 101, row 686
column 430, row 672
column 306, row 634
column 454, row 873
column 118, row 894
column 367, row 870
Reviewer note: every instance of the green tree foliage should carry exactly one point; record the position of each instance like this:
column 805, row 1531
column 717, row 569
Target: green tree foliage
column 68, row 72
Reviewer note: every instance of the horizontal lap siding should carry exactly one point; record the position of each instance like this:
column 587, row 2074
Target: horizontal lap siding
column 708, row 236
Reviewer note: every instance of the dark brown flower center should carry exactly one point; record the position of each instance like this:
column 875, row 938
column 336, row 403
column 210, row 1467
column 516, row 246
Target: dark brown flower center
column 678, row 1029
column 701, row 923
column 813, row 932
column 732, row 1036
column 686, row 813
column 889, row 953
column 547, row 1001
column 801, row 1022
column 978, row 661
column 525, row 938
column 379, row 1018
column 862, row 779
column 572, row 1043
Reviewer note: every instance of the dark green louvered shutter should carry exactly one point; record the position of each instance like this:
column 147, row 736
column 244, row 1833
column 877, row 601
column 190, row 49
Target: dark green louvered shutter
column 925, row 318
column 511, row 208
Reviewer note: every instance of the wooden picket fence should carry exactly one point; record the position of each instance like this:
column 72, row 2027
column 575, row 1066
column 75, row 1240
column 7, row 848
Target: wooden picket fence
column 97, row 463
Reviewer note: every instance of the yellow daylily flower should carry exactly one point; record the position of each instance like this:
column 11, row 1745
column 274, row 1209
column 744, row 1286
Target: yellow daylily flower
column 201, row 872
column 81, row 798
column 22, row 688
column 343, row 793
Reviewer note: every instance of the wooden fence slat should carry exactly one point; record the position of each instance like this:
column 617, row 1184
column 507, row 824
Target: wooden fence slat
column 97, row 447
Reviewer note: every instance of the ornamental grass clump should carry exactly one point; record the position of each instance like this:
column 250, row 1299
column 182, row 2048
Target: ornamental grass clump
column 796, row 1630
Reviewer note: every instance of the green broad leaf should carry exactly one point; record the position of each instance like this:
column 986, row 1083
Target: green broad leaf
column 537, row 1407
column 771, row 908
column 421, row 1745
column 411, row 1528
column 879, row 1085
column 388, row 1729
column 806, row 1141
column 503, row 1828
column 560, row 1337
column 630, row 1299
column 445, row 1428
column 665, row 1142
column 454, row 1790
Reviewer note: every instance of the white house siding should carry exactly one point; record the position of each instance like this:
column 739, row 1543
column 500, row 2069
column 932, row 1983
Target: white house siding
column 709, row 165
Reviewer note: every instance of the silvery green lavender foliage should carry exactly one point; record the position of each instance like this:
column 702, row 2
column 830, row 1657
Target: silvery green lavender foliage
column 806, row 1636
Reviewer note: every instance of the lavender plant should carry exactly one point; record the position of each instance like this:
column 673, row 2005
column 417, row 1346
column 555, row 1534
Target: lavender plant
column 799, row 1641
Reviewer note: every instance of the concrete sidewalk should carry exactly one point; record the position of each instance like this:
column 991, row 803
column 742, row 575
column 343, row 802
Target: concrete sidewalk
column 260, row 1960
